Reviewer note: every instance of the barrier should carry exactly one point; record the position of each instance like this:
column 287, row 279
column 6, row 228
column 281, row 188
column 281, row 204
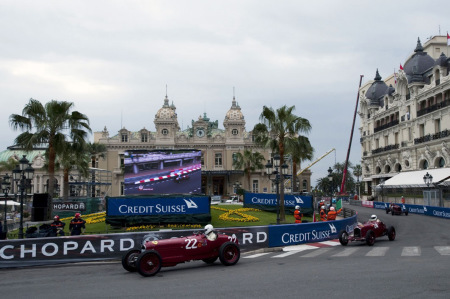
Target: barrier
column 418, row 209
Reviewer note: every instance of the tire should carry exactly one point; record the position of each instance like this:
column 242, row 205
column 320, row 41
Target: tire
column 343, row 237
column 387, row 211
column 149, row 263
column 211, row 260
column 229, row 254
column 391, row 233
column 406, row 213
column 370, row 238
column 129, row 260
column 392, row 213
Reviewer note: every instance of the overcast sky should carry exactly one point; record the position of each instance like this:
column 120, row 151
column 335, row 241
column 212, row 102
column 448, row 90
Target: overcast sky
column 113, row 59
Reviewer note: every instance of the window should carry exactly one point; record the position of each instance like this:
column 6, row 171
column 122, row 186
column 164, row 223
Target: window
column 386, row 142
column 234, row 131
column 437, row 125
column 396, row 138
column 202, row 160
column 218, row 159
column 144, row 137
column 255, row 186
column 441, row 162
column 305, row 186
column 165, row 131
column 124, row 137
column 421, row 131
column 377, row 143
column 121, row 188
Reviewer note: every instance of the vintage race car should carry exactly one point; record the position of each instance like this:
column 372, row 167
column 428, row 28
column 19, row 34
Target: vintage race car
column 157, row 253
column 367, row 232
column 396, row 209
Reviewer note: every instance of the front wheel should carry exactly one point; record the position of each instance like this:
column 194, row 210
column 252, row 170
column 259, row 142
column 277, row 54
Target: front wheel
column 129, row 260
column 406, row 213
column 370, row 238
column 149, row 263
column 229, row 253
column 343, row 238
column 391, row 233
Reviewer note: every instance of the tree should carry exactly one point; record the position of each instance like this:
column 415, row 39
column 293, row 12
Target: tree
column 275, row 131
column 52, row 124
column 96, row 150
column 249, row 161
column 300, row 150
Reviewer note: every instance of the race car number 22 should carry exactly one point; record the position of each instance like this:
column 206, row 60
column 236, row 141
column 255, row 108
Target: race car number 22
column 191, row 243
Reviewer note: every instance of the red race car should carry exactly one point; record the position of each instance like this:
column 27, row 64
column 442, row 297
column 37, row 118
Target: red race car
column 208, row 247
column 396, row 209
column 368, row 232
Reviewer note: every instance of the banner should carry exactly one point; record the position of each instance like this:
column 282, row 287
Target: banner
column 418, row 209
column 268, row 202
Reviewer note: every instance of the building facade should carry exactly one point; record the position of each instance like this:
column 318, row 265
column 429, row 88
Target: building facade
column 405, row 119
column 218, row 147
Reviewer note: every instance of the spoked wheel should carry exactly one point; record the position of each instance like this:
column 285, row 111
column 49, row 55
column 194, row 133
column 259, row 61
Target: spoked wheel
column 370, row 238
column 343, row 238
column 391, row 233
column 149, row 263
column 210, row 260
column 129, row 260
column 229, row 253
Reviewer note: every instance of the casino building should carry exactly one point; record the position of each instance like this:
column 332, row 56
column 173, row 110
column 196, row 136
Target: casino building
column 217, row 147
column 405, row 126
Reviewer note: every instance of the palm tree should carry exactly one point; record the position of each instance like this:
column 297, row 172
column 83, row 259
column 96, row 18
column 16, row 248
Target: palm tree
column 96, row 150
column 74, row 156
column 301, row 150
column 274, row 131
column 249, row 161
column 52, row 124
column 357, row 171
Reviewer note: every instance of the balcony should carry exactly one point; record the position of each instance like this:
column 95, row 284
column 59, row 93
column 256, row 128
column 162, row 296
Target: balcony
column 385, row 126
column 430, row 137
column 385, row 149
column 433, row 108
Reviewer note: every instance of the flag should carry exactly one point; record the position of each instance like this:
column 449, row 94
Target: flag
column 448, row 39
column 339, row 204
column 314, row 216
column 401, row 67
column 395, row 78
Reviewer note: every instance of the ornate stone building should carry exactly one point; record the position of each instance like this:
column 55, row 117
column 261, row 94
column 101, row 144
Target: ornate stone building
column 217, row 146
column 405, row 119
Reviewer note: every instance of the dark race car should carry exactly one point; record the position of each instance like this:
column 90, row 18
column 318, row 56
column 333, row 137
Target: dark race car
column 395, row 209
column 181, row 177
column 170, row 252
column 367, row 232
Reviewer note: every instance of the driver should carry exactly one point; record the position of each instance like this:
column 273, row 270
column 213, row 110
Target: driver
column 210, row 234
column 374, row 218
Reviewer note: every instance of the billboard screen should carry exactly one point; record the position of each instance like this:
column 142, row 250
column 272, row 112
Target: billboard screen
column 162, row 172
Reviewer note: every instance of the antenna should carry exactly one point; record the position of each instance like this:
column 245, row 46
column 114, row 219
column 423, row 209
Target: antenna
column 121, row 118
column 166, row 90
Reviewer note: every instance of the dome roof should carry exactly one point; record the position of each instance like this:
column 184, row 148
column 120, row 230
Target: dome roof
column 419, row 63
column 166, row 111
column 377, row 91
column 442, row 60
column 235, row 112
column 391, row 89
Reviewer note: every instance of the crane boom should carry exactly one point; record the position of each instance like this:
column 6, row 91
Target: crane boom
column 287, row 182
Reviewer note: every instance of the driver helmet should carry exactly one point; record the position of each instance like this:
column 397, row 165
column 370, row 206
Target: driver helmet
column 331, row 208
column 208, row 229
column 77, row 215
column 323, row 207
column 297, row 207
column 373, row 218
column 56, row 218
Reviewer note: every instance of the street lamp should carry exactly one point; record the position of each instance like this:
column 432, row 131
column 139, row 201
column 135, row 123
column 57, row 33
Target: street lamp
column 330, row 178
column 428, row 180
column 382, row 186
column 5, row 188
column 275, row 169
column 358, row 186
column 22, row 175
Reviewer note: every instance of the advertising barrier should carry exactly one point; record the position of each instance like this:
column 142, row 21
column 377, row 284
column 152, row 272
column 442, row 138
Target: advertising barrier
column 418, row 209
column 268, row 202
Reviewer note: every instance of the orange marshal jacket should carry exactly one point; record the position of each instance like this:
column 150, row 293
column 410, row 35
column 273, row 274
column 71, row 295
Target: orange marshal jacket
column 332, row 214
column 298, row 216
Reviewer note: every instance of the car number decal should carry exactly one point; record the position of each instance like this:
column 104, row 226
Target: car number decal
column 232, row 238
column 191, row 243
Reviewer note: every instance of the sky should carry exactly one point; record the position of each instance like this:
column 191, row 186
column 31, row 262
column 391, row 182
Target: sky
column 114, row 59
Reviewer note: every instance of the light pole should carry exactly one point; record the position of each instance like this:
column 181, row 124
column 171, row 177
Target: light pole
column 5, row 188
column 428, row 180
column 382, row 186
column 358, row 186
column 330, row 178
column 22, row 175
column 277, row 179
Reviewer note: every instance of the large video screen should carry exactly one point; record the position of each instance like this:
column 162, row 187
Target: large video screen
column 162, row 172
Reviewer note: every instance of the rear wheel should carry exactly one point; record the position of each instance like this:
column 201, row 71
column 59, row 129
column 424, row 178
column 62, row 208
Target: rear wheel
column 391, row 233
column 210, row 260
column 370, row 238
column 343, row 238
column 129, row 260
column 387, row 211
column 149, row 263
column 406, row 213
column 229, row 253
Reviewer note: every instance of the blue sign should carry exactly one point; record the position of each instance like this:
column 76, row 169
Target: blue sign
column 157, row 206
column 271, row 200
column 418, row 209
column 293, row 234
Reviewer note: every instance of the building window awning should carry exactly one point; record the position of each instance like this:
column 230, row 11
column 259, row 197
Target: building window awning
column 413, row 179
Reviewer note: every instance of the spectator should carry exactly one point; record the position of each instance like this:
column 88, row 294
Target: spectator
column 297, row 215
column 77, row 225
column 403, row 200
column 58, row 226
